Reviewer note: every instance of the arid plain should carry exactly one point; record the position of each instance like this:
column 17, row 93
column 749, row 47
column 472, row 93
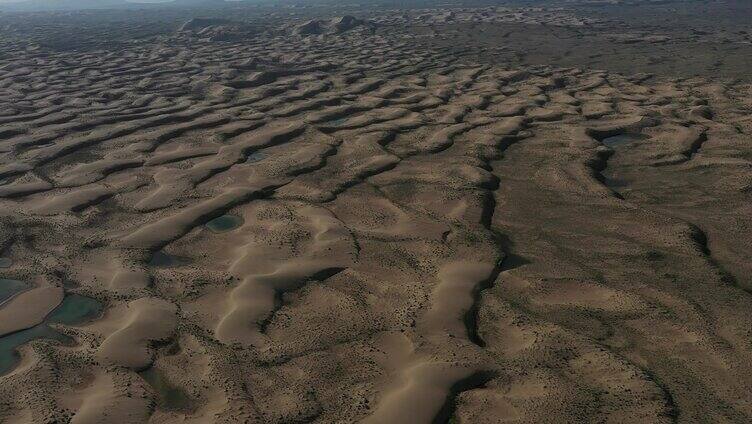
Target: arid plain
column 344, row 214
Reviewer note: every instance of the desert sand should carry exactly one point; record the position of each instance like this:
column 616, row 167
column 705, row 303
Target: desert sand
column 309, row 217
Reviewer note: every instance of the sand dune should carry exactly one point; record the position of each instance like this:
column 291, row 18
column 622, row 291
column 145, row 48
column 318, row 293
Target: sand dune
column 144, row 320
column 28, row 308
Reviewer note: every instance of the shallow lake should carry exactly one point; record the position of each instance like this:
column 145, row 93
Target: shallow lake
column 8, row 288
column 224, row 223
column 74, row 309
column 255, row 157
column 621, row 139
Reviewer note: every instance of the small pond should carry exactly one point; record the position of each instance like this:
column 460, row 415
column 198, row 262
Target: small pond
column 622, row 139
column 224, row 223
column 255, row 157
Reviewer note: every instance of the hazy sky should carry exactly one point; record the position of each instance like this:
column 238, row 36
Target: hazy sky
column 131, row 1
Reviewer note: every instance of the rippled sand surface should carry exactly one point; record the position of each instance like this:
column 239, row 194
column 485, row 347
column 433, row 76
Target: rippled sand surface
column 333, row 221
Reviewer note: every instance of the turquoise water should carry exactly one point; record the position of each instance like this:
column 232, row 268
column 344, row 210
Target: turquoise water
column 8, row 288
column 255, row 157
column 74, row 309
column 224, row 223
column 620, row 139
column 6, row 262
column 338, row 121
column 161, row 259
column 168, row 396
column 9, row 356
